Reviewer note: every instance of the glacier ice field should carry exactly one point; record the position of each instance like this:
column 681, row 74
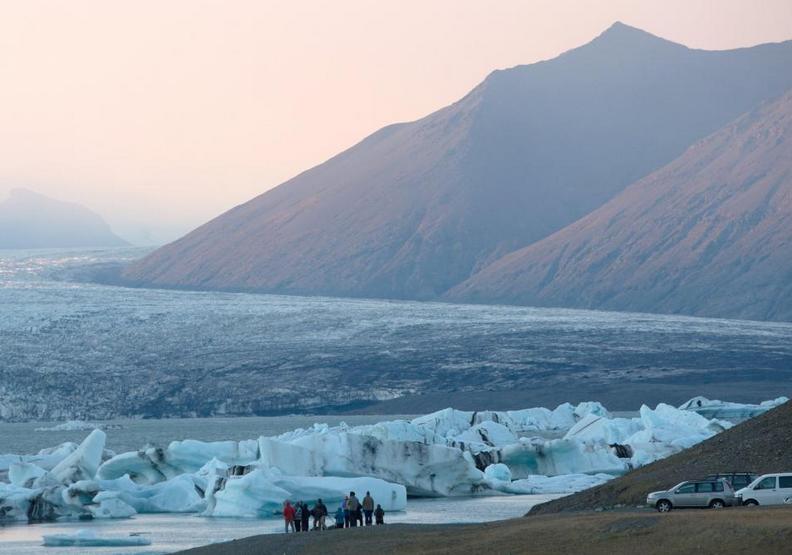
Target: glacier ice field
column 71, row 348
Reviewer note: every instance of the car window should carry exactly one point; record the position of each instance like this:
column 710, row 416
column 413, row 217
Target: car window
column 704, row 487
column 785, row 482
column 717, row 486
column 741, row 481
column 687, row 488
column 767, row 483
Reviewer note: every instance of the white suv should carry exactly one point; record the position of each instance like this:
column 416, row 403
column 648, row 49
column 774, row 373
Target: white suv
column 769, row 489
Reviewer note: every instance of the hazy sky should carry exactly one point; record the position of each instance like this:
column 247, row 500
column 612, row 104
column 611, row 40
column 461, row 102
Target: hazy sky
column 162, row 114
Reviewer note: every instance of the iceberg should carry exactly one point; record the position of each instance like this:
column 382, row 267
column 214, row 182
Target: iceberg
column 537, row 484
column 80, row 464
column 24, row 474
column 69, row 426
column 446, row 453
column 731, row 411
column 89, row 538
column 262, row 493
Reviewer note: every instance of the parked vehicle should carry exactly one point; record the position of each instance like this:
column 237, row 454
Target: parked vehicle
column 738, row 480
column 713, row 494
column 768, row 489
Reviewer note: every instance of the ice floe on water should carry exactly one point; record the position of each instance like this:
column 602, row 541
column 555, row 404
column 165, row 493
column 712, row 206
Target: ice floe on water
column 443, row 454
column 77, row 426
column 68, row 426
column 722, row 409
column 89, row 538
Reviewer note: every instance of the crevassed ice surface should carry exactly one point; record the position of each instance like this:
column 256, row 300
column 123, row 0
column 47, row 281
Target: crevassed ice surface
column 80, row 350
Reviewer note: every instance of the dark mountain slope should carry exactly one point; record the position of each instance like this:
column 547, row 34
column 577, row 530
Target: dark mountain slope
column 418, row 207
column 29, row 220
column 709, row 234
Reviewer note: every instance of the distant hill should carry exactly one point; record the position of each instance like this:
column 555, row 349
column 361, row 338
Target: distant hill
column 418, row 207
column 29, row 220
column 709, row 234
column 758, row 445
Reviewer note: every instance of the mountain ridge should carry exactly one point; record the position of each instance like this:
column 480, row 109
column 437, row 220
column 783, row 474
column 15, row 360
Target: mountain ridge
column 418, row 207
column 31, row 220
column 706, row 234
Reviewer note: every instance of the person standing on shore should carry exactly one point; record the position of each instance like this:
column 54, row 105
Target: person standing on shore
column 379, row 515
column 298, row 511
column 339, row 517
column 288, row 516
column 368, row 507
column 354, row 507
column 345, row 507
column 306, row 514
column 322, row 514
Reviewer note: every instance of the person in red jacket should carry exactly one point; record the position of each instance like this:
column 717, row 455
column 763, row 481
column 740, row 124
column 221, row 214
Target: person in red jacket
column 288, row 516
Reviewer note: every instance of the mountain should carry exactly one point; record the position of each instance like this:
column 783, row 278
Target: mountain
column 710, row 233
column 29, row 220
column 416, row 208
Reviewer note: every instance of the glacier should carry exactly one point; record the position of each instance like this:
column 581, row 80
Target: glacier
column 446, row 453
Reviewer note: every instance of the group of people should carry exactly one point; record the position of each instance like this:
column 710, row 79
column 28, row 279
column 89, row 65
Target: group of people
column 351, row 513
column 297, row 517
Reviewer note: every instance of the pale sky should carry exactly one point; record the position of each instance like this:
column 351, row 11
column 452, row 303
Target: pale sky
column 162, row 114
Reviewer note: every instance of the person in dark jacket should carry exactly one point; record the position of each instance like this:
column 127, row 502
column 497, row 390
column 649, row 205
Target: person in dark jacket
column 306, row 514
column 379, row 515
column 354, row 507
column 322, row 514
column 368, row 507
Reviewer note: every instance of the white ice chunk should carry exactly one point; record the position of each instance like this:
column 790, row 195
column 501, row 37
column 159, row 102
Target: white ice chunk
column 261, row 493
column 251, row 495
column 153, row 465
column 112, row 508
column 289, row 458
column 570, row 483
column 484, row 435
column 190, row 455
column 499, row 472
column 177, row 495
column 24, row 474
column 147, row 466
column 430, row 470
column 561, row 456
column 81, row 464
column 612, row 430
column 331, row 490
column 14, row 502
column 69, row 426
column 711, row 408
column 89, row 538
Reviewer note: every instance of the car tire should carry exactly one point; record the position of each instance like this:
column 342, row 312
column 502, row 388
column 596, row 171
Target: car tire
column 717, row 504
column 751, row 503
column 663, row 506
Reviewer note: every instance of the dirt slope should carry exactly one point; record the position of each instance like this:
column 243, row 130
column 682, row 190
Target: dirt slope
column 761, row 445
column 730, row 531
